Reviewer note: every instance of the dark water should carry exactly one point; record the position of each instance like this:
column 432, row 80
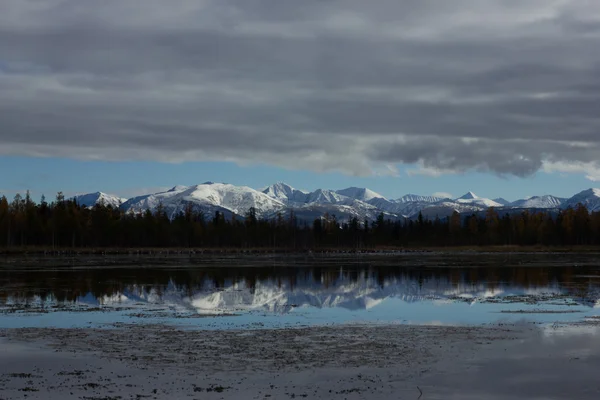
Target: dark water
column 271, row 291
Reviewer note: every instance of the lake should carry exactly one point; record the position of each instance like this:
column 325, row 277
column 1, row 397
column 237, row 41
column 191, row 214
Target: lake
column 272, row 291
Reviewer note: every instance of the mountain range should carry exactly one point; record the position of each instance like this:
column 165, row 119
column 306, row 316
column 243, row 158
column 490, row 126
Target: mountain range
column 362, row 203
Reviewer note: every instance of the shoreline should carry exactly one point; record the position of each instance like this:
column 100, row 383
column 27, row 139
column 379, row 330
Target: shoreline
column 38, row 251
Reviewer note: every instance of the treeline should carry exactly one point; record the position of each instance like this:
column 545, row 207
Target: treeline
column 63, row 223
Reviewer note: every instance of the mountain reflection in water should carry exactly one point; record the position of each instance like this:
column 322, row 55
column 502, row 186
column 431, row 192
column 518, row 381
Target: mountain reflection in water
column 228, row 289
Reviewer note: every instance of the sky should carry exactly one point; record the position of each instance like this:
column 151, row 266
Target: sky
column 416, row 96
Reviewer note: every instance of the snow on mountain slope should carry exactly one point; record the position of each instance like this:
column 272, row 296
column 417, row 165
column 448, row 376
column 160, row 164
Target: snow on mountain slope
column 468, row 196
column 364, row 203
column 589, row 198
column 383, row 204
column 472, row 199
column 546, row 201
column 238, row 199
column 468, row 203
column 275, row 199
column 343, row 213
column 502, row 201
column 389, row 206
column 407, row 206
column 415, row 198
column 285, row 193
column 327, row 197
column 362, row 194
column 211, row 196
column 446, row 208
column 345, row 204
column 150, row 202
column 412, row 209
column 91, row 199
column 178, row 188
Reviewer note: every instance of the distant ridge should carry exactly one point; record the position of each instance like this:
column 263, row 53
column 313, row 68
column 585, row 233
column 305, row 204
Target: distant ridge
column 344, row 204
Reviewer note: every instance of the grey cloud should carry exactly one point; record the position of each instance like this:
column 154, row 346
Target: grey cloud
column 321, row 84
column 490, row 155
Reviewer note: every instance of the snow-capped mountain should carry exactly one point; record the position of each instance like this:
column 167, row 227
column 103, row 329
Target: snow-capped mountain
column 285, row 193
column 415, row 198
column 362, row 194
column 343, row 213
column 412, row 208
column 472, row 199
column 408, row 205
column 468, row 196
column 589, row 198
column 448, row 207
column 324, row 196
column 344, row 204
column 546, row 201
column 91, row 199
column 468, row 203
column 208, row 197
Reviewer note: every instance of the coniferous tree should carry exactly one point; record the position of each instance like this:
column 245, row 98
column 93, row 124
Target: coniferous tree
column 66, row 224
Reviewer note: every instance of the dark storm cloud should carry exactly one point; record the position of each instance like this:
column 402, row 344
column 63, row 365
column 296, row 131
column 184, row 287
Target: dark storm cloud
column 500, row 86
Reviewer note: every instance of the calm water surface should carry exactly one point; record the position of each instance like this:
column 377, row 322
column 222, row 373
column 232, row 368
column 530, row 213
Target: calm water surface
column 277, row 291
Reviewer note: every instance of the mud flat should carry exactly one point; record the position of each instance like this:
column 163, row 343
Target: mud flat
column 341, row 362
column 163, row 362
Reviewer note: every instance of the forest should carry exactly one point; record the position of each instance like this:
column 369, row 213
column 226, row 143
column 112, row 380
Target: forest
column 63, row 224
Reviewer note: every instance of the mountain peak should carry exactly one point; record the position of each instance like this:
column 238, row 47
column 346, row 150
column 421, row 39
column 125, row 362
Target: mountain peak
column 208, row 197
column 546, row 201
column 91, row 199
column 283, row 192
column 282, row 185
column 362, row 194
column 277, row 189
column 592, row 192
column 469, row 196
column 589, row 198
column 178, row 188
